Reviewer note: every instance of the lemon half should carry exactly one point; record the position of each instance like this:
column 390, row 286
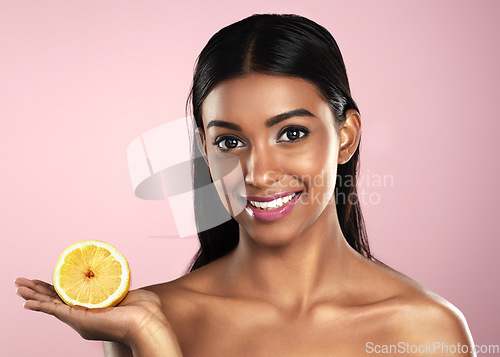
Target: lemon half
column 91, row 274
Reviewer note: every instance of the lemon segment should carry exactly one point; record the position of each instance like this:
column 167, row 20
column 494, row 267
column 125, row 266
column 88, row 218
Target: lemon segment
column 93, row 274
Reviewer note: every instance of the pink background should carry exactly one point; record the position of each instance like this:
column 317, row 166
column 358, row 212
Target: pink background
column 82, row 79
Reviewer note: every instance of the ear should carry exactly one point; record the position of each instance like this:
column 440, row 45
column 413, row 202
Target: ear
column 201, row 142
column 350, row 134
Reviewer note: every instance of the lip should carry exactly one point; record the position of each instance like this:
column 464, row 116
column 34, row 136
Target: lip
column 269, row 198
column 274, row 214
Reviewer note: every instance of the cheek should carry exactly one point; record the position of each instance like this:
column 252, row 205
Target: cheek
column 315, row 164
column 227, row 176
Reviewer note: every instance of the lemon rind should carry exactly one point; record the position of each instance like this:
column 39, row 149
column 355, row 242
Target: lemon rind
column 113, row 299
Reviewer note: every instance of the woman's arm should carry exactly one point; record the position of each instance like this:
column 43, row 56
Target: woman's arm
column 116, row 349
column 155, row 339
column 137, row 324
column 152, row 342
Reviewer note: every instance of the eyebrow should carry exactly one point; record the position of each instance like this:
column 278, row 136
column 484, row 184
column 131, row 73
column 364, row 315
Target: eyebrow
column 269, row 122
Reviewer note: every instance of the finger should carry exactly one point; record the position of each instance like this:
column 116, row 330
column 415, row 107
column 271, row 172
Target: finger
column 43, row 285
column 89, row 323
column 38, row 286
column 45, row 288
column 61, row 311
column 32, row 284
column 22, row 281
column 30, row 294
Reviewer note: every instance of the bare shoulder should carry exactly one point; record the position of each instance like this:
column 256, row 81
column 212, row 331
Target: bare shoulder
column 190, row 286
column 182, row 299
column 420, row 316
column 428, row 315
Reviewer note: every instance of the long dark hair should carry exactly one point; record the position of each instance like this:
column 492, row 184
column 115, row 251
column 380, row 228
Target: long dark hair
column 282, row 45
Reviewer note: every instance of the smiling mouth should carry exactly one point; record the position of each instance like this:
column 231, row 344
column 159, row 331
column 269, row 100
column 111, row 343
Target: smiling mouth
column 274, row 204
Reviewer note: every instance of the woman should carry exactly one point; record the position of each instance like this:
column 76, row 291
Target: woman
column 291, row 274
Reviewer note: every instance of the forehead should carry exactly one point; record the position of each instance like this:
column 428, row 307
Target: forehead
column 260, row 96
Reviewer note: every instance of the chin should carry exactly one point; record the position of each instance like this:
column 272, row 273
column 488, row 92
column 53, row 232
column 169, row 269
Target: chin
column 270, row 235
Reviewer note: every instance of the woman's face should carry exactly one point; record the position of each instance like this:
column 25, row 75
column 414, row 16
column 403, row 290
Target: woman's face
column 282, row 134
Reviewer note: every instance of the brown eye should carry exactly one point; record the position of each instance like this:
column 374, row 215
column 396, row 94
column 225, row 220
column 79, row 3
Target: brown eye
column 292, row 134
column 226, row 143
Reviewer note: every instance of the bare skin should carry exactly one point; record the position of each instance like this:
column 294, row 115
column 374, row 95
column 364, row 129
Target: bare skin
column 137, row 324
column 293, row 286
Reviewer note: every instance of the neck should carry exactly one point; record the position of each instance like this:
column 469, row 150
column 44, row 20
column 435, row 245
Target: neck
column 295, row 274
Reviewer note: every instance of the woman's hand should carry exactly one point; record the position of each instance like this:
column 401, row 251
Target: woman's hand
column 137, row 321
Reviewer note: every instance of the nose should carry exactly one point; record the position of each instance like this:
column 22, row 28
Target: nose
column 262, row 168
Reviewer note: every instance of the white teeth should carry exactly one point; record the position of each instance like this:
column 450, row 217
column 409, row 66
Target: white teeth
column 274, row 203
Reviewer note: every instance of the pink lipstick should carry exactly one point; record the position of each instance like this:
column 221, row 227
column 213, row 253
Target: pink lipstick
column 271, row 208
